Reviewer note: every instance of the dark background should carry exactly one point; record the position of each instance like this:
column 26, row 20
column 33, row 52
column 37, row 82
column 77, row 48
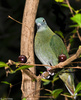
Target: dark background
column 58, row 19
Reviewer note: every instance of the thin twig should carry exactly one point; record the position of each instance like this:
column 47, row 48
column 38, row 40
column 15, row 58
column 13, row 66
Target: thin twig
column 66, row 95
column 69, row 6
column 78, row 34
column 14, row 19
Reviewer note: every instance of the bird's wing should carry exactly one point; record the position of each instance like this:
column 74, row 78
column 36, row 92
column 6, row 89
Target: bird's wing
column 58, row 46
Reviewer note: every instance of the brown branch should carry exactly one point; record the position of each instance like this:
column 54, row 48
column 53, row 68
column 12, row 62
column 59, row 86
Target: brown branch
column 66, row 62
column 78, row 34
column 60, row 65
column 69, row 60
column 33, row 92
column 66, row 96
column 67, row 1
column 69, row 45
column 77, row 28
column 14, row 19
column 27, row 36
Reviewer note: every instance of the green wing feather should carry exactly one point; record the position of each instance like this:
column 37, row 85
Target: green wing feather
column 58, row 46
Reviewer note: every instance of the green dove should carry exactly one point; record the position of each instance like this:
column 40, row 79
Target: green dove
column 48, row 46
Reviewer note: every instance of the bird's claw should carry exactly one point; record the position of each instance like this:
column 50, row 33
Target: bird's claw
column 50, row 72
column 45, row 76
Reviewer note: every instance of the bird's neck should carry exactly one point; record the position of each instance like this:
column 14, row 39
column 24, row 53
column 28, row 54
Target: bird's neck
column 42, row 28
column 44, row 34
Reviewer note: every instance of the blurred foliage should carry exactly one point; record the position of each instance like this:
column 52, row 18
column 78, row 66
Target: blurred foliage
column 57, row 17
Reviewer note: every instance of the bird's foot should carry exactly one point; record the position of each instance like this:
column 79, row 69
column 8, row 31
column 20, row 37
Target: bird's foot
column 45, row 75
column 50, row 72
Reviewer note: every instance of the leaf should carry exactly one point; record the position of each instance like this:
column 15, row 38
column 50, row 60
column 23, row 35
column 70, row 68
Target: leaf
column 5, row 82
column 80, row 46
column 74, row 31
column 79, row 94
column 24, row 67
column 65, row 5
column 77, row 18
column 78, row 88
column 55, row 78
column 71, row 39
column 56, row 93
column 24, row 99
column 74, row 25
column 45, row 81
column 60, row 34
column 2, row 64
column 77, row 11
column 59, row 0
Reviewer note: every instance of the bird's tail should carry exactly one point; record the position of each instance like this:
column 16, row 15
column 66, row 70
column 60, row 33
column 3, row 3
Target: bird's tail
column 68, row 79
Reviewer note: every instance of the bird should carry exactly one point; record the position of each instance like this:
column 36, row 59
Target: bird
column 48, row 46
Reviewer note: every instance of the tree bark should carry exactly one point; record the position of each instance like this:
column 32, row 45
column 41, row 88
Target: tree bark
column 28, row 86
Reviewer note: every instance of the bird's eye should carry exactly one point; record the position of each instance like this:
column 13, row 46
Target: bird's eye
column 43, row 20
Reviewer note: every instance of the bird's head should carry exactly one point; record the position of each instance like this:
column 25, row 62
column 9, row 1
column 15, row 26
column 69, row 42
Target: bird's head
column 41, row 24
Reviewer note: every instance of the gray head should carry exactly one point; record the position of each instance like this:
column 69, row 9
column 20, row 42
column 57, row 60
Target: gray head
column 41, row 23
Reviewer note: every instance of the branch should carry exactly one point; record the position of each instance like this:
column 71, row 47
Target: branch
column 69, row 6
column 66, row 62
column 78, row 34
column 77, row 28
column 60, row 65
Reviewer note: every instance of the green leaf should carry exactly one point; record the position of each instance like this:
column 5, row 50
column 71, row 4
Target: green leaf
column 24, row 99
column 80, row 46
column 79, row 94
column 55, row 78
column 45, row 81
column 2, row 64
column 56, row 93
column 74, row 25
column 60, row 34
column 74, row 31
column 77, row 18
column 24, row 67
column 59, row 0
column 77, row 11
column 65, row 5
column 71, row 39
column 5, row 82
column 78, row 88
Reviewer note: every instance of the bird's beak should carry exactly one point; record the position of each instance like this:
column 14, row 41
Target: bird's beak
column 38, row 24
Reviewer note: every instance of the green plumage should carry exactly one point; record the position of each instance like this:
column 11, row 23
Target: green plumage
column 48, row 46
